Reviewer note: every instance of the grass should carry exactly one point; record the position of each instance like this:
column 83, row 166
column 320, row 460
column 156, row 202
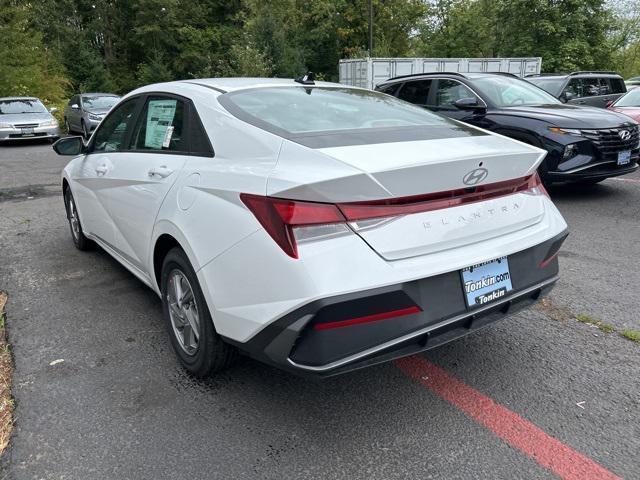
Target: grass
column 632, row 335
column 562, row 314
column 603, row 326
column 6, row 370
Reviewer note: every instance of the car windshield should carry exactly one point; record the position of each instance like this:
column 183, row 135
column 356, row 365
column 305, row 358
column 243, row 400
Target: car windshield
column 102, row 102
column 631, row 99
column 512, row 92
column 300, row 110
column 551, row 85
column 21, row 106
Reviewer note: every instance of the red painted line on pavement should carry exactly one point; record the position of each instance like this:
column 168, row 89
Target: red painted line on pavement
column 509, row 426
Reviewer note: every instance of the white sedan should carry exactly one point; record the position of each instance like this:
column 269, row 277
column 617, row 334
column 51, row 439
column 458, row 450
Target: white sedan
column 316, row 227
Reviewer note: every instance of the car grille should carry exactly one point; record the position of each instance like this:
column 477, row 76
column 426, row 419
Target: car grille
column 26, row 125
column 609, row 142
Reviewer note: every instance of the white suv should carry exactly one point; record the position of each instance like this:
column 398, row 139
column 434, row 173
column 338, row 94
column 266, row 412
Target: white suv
column 316, row 227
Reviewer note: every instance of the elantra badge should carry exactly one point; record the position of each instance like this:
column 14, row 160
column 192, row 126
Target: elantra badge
column 475, row 176
column 624, row 134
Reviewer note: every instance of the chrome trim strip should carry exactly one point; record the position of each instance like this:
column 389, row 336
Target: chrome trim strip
column 409, row 336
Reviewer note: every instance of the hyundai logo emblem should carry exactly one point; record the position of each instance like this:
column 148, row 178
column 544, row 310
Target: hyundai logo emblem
column 475, row 176
column 624, row 134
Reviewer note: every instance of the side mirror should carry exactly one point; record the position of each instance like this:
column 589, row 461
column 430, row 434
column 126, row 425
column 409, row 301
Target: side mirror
column 567, row 96
column 609, row 103
column 69, row 146
column 468, row 104
column 75, row 106
column 53, row 110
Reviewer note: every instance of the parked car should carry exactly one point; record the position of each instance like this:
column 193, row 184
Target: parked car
column 85, row 111
column 584, row 144
column 594, row 89
column 24, row 118
column 632, row 81
column 628, row 104
column 317, row 227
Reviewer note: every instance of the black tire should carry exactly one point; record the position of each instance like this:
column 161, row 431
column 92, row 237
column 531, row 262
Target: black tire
column 85, row 133
column 79, row 240
column 211, row 354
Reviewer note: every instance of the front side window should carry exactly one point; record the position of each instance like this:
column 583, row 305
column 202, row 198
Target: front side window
column 28, row 105
column 450, row 91
column 161, row 126
column 511, row 92
column 111, row 133
column 416, row 92
column 583, row 87
column 617, row 85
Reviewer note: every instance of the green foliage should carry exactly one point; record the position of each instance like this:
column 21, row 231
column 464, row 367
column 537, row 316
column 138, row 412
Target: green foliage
column 55, row 48
column 28, row 67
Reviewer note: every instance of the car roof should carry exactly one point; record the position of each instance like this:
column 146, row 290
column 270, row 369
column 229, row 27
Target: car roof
column 98, row 93
column 574, row 74
column 18, row 98
column 466, row 75
column 231, row 84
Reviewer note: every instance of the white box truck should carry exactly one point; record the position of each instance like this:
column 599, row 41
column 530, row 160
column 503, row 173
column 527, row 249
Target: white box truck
column 368, row 72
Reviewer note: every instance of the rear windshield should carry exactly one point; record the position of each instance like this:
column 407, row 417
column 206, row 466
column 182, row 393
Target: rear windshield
column 551, row 85
column 631, row 99
column 21, row 106
column 305, row 110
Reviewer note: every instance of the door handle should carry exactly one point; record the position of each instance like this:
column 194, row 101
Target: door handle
column 162, row 171
column 102, row 169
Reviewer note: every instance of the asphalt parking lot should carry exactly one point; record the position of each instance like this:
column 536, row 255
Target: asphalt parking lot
column 540, row 395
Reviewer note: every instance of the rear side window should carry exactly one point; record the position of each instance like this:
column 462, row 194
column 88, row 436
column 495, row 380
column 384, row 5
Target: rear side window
column 616, row 85
column 161, row 126
column 416, row 92
column 111, row 133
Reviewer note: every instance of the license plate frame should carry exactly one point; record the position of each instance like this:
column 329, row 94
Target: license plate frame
column 487, row 282
column 624, row 157
column 28, row 131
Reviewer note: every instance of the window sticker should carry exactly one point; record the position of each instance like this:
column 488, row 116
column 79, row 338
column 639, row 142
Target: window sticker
column 159, row 123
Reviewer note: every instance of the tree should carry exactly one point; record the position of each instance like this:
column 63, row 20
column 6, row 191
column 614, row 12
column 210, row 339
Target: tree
column 28, row 66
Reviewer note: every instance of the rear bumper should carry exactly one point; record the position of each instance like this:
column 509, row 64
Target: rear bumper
column 294, row 343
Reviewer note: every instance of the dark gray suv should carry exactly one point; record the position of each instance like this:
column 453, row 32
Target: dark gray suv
column 592, row 89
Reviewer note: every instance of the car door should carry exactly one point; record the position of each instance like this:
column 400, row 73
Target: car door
column 615, row 88
column 584, row 91
column 92, row 182
column 142, row 176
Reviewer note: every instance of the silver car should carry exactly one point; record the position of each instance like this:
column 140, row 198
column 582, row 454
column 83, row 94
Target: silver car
column 85, row 111
column 24, row 118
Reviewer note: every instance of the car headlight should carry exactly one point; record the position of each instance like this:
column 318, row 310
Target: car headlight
column 96, row 118
column 49, row 123
column 566, row 131
column 570, row 151
column 5, row 125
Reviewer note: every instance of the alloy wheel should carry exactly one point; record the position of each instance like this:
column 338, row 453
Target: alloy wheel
column 183, row 311
column 73, row 219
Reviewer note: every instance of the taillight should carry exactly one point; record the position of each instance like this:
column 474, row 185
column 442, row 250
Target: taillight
column 436, row 201
column 289, row 221
column 280, row 216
